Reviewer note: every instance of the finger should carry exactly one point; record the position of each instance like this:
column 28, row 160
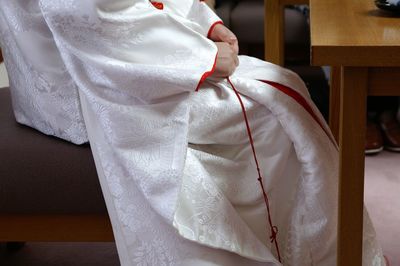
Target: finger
column 236, row 60
column 235, row 47
column 232, row 70
column 229, row 38
column 226, row 35
column 232, row 39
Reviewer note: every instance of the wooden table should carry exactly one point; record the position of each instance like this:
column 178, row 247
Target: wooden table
column 363, row 43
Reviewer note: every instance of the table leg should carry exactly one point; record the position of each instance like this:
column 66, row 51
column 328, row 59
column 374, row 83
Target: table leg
column 351, row 174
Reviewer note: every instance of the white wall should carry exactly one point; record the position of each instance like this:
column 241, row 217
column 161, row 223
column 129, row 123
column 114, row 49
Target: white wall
column 3, row 76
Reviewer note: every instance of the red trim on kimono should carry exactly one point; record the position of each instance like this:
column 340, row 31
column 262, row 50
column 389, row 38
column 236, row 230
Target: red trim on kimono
column 207, row 74
column 158, row 5
column 212, row 27
column 300, row 100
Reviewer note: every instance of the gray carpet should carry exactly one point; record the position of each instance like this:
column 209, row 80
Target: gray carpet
column 382, row 197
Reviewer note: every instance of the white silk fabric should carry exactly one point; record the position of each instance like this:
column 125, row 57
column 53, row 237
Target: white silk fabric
column 175, row 166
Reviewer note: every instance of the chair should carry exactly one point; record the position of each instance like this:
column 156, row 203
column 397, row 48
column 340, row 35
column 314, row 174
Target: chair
column 49, row 189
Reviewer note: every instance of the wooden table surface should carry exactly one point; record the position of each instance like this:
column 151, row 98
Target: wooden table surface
column 363, row 44
column 353, row 33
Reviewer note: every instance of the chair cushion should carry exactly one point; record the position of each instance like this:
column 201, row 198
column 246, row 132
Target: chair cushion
column 41, row 174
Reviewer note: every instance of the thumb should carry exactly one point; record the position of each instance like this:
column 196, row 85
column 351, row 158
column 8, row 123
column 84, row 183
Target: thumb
column 232, row 39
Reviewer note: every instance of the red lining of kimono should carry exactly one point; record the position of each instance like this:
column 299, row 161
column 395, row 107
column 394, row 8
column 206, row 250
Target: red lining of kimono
column 300, row 100
column 212, row 27
column 207, row 74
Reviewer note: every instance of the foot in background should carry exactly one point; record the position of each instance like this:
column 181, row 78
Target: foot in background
column 386, row 261
column 391, row 130
column 374, row 141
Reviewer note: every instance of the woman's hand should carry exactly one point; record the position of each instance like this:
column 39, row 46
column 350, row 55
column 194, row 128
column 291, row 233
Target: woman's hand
column 227, row 60
column 220, row 33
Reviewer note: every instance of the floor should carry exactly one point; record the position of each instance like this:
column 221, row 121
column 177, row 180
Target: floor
column 382, row 197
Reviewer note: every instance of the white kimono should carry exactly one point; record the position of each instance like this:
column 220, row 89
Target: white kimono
column 175, row 166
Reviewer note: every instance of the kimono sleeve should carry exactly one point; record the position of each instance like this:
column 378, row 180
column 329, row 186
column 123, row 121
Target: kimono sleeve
column 196, row 11
column 144, row 52
column 204, row 16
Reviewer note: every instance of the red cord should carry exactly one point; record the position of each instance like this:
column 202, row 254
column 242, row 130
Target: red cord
column 274, row 229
